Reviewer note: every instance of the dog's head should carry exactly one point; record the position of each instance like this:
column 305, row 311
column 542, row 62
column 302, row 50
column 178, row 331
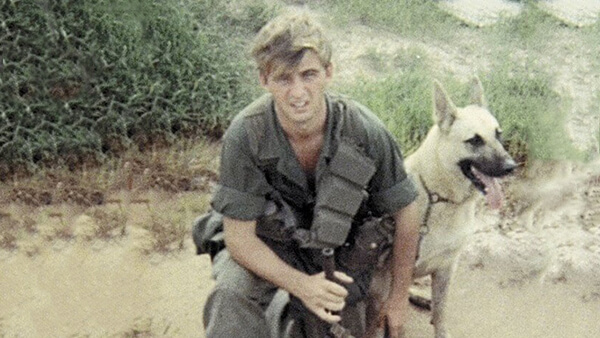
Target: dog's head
column 471, row 141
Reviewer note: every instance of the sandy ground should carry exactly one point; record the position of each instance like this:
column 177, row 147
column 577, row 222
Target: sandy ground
column 531, row 270
column 78, row 290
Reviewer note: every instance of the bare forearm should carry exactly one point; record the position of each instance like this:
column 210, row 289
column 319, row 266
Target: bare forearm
column 405, row 250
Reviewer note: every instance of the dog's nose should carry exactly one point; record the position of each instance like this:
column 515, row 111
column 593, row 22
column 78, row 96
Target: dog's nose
column 509, row 166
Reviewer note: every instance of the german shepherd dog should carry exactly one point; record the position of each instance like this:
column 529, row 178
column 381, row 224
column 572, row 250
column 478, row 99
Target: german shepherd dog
column 458, row 162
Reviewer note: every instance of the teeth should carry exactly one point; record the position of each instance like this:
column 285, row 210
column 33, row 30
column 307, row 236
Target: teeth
column 298, row 105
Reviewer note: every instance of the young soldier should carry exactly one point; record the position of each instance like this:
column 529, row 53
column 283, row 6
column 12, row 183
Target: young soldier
column 326, row 164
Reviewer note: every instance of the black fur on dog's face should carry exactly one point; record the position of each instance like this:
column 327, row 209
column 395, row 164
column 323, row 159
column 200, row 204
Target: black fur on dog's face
column 487, row 163
column 474, row 170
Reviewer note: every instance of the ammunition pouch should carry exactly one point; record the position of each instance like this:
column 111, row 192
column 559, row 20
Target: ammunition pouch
column 277, row 222
column 369, row 246
column 340, row 194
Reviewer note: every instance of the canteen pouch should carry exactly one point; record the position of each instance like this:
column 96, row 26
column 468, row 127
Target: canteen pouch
column 207, row 232
column 340, row 194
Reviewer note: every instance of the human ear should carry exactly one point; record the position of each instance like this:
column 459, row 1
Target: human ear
column 263, row 79
column 329, row 71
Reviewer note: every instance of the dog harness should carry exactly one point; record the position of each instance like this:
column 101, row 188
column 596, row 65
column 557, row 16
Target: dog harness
column 433, row 198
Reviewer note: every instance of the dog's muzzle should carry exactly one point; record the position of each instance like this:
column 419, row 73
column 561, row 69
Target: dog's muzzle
column 484, row 177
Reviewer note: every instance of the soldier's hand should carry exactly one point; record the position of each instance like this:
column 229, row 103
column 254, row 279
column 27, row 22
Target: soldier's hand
column 394, row 314
column 324, row 297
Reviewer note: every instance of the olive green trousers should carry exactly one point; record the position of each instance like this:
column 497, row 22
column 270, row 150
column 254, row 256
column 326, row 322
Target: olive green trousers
column 245, row 305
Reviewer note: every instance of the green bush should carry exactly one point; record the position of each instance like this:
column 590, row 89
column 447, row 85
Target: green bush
column 82, row 79
column 531, row 113
column 403, row 101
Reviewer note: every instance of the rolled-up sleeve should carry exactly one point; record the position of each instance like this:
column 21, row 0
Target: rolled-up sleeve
column 242, row 189
column 237, row 204
column 396, row 197
column 391, row 188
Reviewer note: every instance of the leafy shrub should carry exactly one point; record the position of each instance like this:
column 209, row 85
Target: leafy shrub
column 84, row 79
column 402, row 101
column 531, row 113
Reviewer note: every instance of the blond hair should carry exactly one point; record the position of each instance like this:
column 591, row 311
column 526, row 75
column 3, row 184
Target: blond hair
column 286, row 38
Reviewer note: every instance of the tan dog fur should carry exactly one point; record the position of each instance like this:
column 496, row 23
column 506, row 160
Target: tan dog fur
column 435, row 166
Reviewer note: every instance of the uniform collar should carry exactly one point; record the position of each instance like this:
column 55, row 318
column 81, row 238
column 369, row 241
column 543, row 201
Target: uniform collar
column 277, row 148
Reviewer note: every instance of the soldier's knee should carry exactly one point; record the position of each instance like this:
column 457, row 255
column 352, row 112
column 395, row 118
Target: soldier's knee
column 227, row 313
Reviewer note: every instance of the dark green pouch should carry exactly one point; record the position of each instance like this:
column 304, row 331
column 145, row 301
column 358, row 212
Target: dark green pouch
column 207, row 232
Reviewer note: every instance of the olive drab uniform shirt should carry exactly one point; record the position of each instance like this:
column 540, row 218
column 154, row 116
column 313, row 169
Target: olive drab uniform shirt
column 248, row 177
column 246, row 180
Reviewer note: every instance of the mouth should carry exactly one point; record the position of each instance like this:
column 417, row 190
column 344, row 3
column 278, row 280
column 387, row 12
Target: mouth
column 299, row 105
column 488, row 184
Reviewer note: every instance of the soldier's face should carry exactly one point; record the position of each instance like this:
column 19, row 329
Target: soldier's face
column 299, row 91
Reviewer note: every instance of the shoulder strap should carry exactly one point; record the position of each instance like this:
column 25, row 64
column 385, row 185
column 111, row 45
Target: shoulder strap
column 255, row 128
column 255, row 122
column 351, row 126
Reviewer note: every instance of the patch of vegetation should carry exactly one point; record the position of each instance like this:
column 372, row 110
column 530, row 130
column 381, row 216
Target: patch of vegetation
column 13, row 229
column 533, row 29
column 403, row 101
column 532, row 114
column 63, row 231
column 83, row 80
column 108, row 224
column 9, row 230
column 149, row 327
column 408, row 18
column 167, row 233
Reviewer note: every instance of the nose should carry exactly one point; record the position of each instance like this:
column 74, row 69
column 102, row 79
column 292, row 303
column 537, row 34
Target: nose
column 509, row 166
column 296, row 88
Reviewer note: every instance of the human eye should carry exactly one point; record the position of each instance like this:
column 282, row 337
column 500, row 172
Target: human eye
column 310, row 74
column 283, row 79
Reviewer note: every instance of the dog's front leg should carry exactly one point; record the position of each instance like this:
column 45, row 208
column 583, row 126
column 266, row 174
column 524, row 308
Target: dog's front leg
column 440, row 285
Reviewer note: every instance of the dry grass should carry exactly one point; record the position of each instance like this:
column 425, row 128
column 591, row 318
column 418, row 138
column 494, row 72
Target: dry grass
column 163, row 219
column 189, row 165
column 63, row 231
column 166, row 234
column 108, row 225
column 9, row 228
column 147, row 328
column 13, row 229
column 170, row 185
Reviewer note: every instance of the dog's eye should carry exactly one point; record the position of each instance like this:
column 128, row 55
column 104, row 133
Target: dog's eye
column 475, row 141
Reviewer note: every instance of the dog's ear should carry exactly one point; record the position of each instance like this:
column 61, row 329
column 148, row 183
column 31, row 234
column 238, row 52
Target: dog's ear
column 444, row 110
column 477, row 97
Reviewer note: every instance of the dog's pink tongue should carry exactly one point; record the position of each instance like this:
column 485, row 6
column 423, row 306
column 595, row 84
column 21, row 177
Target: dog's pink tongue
column 494, row 195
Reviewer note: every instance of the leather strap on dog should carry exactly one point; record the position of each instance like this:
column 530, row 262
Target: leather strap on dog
column 433, row 198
